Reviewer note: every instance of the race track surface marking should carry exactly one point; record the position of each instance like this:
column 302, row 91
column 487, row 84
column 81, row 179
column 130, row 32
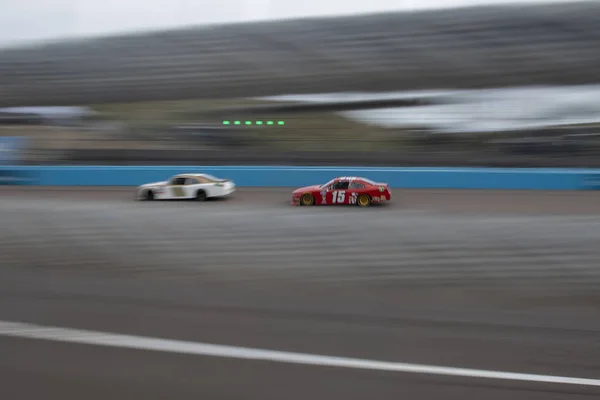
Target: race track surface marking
column 32, row 331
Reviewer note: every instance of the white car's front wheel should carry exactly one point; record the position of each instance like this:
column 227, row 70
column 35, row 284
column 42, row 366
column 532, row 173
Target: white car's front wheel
column 148, row 196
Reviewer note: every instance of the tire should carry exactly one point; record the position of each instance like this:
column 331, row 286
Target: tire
column 307, row 199
column 364, row 200
column 149, row 195
column 201, row 195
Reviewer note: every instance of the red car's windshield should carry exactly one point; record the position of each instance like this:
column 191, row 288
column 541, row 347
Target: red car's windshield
column 327, row 184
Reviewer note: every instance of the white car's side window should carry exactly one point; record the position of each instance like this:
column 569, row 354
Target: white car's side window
column 177, row 181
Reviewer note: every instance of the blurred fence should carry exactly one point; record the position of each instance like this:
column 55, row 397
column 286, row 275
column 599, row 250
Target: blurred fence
column 459, row 48
column 12, row 149
column 47, row 145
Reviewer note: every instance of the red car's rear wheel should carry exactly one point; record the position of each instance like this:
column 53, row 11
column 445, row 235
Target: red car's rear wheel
column 363, row 200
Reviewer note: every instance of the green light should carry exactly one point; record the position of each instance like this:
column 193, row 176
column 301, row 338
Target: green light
column 226, row 122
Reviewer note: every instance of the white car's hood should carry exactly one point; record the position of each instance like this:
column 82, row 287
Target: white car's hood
column 154, row 184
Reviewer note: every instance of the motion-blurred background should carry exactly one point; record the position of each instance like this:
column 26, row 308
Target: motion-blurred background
column 503, row 282
column 281, row 82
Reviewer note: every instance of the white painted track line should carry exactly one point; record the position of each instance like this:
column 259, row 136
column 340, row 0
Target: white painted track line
column 32, row 331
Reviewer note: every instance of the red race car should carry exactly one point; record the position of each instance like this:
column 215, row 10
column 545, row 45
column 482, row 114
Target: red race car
column 343, row 190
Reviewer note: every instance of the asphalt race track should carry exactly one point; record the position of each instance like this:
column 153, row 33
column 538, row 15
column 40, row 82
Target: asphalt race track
column 501, row 281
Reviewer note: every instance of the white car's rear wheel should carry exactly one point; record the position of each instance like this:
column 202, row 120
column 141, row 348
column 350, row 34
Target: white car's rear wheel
column 201, row 195
column 149, row 195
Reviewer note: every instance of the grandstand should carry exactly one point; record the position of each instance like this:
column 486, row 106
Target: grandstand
column 493, row 46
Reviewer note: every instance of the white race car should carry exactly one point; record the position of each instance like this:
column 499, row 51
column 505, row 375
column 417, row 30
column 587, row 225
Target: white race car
column 186, row 186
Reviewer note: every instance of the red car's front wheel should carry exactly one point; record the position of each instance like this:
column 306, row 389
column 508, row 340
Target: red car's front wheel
column 307, row 199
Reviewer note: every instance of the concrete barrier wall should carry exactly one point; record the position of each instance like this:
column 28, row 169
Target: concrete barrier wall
column 426, row 178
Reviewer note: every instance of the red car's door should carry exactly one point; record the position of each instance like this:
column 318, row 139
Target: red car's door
column 337, row 193
column 337, row 197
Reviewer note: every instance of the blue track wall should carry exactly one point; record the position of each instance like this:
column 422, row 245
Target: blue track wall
column 457, row 178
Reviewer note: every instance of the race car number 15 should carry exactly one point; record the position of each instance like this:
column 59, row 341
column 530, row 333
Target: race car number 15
column 338, row 197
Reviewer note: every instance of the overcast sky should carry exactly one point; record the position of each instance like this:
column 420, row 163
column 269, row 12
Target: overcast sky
column 31, row 20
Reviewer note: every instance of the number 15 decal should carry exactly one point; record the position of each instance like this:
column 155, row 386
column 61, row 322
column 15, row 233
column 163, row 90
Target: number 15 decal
column 338, row 197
